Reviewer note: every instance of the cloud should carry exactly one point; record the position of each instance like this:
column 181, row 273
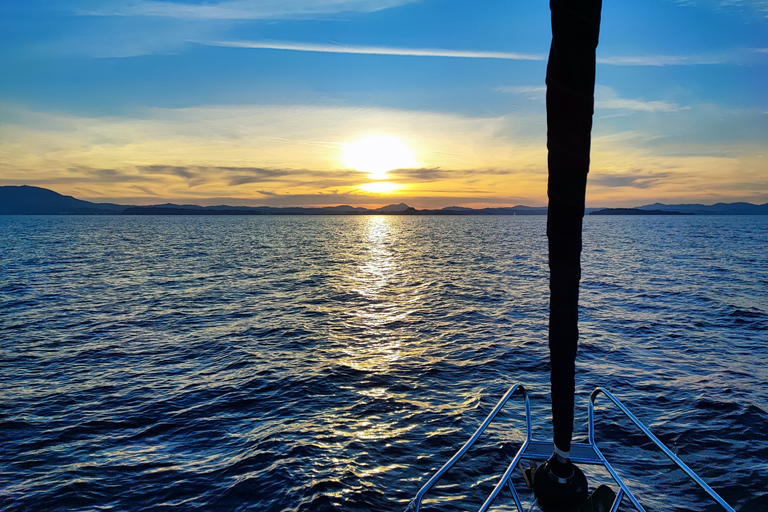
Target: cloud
column 637, row 105
column 102, row 176
column 663, row 60
column 738, row 5
column 244, row 9
column 235, row 176
column 320, row 179
column 131, row 29
column 108, row 175
column 127, row 36
column 607, row 98
column 523, row 89
column 438, row 174
column 243, row 175
column 636, row 179
column 536, row 93
column 175, row 170
column 377, row 50
column 738, row 57
column 696, row 129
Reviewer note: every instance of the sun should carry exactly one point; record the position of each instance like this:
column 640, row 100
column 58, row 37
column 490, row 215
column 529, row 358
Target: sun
column 380, row 187
column 378, row 154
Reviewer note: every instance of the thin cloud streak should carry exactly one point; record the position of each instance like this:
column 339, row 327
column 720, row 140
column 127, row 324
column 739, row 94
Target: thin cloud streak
column 638, row 105
column 642, row 60
column 376, row 50
column 244, row 9
column 662, row 60
column 606, row 98
column 523, row 89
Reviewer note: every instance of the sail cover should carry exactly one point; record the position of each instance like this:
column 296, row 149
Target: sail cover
column 570, row 104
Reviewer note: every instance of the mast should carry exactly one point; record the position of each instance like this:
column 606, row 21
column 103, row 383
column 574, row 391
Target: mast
column 570, row 104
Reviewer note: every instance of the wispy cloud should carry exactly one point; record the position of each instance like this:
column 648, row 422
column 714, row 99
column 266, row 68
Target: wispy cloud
column 244, row 9
column 439, row 174
column 663, row 60
column 737, row 57
column 523, row 89
column 635, row 178
column 535, row 93
column 607, row 98
column 242, row 175
column 739, row 5
column 638, row 105
column 377, row 50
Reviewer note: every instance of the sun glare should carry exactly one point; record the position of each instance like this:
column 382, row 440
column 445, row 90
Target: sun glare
column 380, row 187
column 378, row 154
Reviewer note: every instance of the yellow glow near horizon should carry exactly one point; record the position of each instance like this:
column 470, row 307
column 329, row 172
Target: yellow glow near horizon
column 378, row 154
column 380, row 187
column 170, row 155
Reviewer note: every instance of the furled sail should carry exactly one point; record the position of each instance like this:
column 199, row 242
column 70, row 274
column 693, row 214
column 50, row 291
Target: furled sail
column 570, row 103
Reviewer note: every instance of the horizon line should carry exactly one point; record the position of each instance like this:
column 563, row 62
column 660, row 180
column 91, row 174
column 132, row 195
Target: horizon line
column 368, row 208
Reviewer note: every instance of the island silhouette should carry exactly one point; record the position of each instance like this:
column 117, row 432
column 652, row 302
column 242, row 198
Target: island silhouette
column 30, row 200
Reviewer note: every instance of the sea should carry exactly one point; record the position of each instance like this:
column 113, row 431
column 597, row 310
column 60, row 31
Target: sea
column 333, row 363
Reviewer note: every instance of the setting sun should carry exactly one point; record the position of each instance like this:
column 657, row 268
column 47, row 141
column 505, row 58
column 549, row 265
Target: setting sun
column 381, row 187
column 378, row 154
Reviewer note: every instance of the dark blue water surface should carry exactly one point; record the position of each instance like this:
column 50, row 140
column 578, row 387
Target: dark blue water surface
column 333, row 363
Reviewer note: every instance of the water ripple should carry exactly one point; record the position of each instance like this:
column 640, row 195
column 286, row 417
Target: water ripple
column 326, row 363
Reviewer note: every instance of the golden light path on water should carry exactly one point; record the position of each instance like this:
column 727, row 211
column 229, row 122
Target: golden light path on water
column 371, row 280
column 371, row 276
column 378, row 347
column 378, row 341
column 377, row 344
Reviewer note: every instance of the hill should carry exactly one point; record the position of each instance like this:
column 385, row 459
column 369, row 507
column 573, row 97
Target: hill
column 26, row 200
column 715, row 209
column 635, row 211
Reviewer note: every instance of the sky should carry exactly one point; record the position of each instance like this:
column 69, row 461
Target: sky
column 433, row 103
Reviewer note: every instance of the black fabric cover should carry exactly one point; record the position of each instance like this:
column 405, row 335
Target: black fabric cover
column 570, row 103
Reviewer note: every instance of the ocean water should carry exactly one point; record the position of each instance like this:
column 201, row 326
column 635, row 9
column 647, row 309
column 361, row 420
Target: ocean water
column 333, row 363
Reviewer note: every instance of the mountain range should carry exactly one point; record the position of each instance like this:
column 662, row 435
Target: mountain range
column 27, row 200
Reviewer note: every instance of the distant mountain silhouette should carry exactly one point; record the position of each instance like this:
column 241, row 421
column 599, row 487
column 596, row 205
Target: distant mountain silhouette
column 715, row 209
column 393, row 208
column 635, row 211
column 27, row 200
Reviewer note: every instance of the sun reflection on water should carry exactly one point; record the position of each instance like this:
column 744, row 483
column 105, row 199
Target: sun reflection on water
column 376, row 346
column 374, row 338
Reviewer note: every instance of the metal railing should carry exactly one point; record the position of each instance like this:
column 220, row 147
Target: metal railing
column 582, row 453
column 415, row 504
column 693, row 476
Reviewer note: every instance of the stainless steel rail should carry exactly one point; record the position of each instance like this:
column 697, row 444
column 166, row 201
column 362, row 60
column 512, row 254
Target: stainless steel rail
column 415, row 504
column 580, row 453
column 693, row 476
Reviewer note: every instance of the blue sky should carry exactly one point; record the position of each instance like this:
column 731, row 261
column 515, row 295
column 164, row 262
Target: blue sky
column 256, row 102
